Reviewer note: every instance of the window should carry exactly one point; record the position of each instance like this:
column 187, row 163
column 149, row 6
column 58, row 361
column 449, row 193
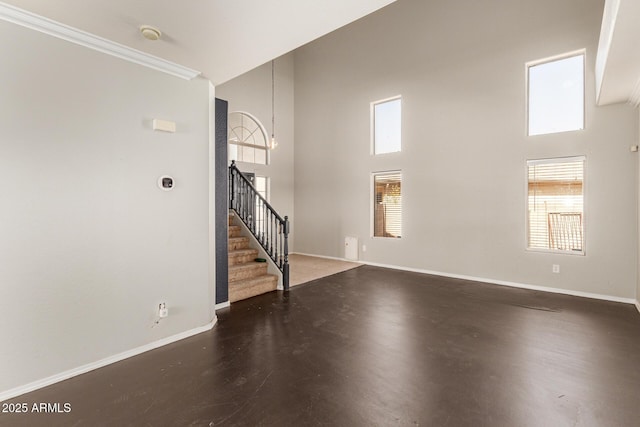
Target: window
column 387, row 204
column 556, row 95
column 247, row 139
column 261, row 183
column 386, row 125
column 556, row 204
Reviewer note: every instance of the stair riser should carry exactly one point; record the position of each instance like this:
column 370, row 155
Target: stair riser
column 248, row 273
column 238, row 244
column 241, row 259
column 235, row 231
column 238, row 293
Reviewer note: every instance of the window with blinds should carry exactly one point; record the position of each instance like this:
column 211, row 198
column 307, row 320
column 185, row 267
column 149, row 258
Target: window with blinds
column 387, row 204
column 555, row 199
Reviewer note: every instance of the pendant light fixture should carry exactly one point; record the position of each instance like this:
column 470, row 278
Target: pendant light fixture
column 273, row 143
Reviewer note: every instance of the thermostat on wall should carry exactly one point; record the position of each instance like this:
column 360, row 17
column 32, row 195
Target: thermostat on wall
column 166, row 183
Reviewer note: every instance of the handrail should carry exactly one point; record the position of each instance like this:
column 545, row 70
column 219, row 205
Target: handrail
column 267, row 226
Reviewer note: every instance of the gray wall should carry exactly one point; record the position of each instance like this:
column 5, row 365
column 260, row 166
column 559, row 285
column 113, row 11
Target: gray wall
column 251, row 92
column 460, row 67
column 89, row 244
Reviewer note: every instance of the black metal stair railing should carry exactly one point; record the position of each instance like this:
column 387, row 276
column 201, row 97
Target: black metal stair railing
column 266, row 225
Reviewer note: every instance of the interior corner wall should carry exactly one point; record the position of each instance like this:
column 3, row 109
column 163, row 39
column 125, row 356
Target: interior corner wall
column 251, row 93
column 90, row 245
column 460, row 68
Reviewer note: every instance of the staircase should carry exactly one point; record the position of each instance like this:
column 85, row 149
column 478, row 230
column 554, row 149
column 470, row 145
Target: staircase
column 268, row 229
column 247, row 278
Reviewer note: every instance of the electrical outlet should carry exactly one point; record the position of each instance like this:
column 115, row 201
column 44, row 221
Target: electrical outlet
column 364, row 248
column 555, row 268
column 163, row 311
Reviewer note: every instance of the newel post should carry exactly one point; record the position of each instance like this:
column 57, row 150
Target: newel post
column 285, row 267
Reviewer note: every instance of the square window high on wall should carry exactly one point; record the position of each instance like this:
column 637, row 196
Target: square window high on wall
column 387, row 204
column 555, row 94
column 386, row 125
column 555, row 204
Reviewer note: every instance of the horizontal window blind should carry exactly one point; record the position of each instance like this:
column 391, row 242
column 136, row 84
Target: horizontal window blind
column 387, row 206
column 556, row 204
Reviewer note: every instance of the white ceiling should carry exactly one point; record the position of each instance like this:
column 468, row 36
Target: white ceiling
column 618, row 64
column 220, row 38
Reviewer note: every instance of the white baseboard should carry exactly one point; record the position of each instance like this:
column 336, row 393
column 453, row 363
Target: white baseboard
column 512, row 284
column 223, row 305
column 638, row 306
column 14, row 392
column 493, row 281
column 330, row 257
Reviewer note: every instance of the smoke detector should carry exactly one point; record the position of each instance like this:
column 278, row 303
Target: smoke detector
column 150, row 33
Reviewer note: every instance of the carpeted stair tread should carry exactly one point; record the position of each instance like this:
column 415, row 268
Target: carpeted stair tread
column 241, row 256
column 234, row 231
column 246, row 270
column 243, row 251
column 248, row 288
column 236, row 243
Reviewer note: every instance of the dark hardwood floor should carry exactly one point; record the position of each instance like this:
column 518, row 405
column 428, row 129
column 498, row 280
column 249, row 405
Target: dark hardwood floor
column 376, row 347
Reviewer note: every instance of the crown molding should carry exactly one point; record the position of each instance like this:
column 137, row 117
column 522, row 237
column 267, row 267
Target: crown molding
column 56, row 29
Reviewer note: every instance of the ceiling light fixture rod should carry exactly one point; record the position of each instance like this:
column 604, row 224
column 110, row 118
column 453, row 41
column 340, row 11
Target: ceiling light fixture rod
column 273, row 144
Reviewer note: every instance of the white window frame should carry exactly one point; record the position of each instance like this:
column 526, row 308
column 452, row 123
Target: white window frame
column 261, row 221
column 559, row 57
column 267, row 181
column 372, row 124
column 263, row 130
column 582, row 158
column 372, row 201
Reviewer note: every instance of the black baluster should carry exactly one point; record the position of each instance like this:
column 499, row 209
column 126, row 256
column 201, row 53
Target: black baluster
column 277, row 242
column 244, row 201
column 231, row 195
column 271, row 234
column 281, row 244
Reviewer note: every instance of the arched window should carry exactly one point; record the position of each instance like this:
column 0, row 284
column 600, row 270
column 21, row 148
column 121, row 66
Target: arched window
column 248, row 141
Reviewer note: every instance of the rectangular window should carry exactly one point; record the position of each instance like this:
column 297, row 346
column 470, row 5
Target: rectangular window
column 262, row 186
column 556, row 95
column 387, row 204
column 261, row 183
column 555, row 202
column 386, row 117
